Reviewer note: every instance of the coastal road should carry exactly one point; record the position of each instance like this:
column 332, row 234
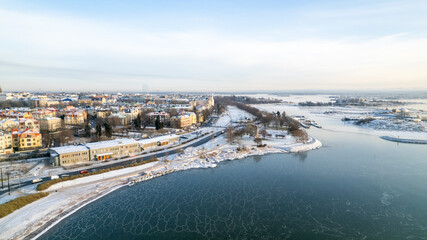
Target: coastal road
column 136, row 159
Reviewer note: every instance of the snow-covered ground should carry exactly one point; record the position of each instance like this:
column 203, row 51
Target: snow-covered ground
column 63, row 197
column 233, row 114
column 293, row 98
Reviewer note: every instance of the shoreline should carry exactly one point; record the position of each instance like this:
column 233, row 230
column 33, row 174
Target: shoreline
column 404, row 140
column 187, row 162
column 39, row 232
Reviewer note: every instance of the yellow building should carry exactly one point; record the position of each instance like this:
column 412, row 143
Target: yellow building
column 68, row 155
column 98, row 151
column 15, row 115
column 112, row 149
column 103, row 113
column 200, row 118
column 192, row 116
column 27, row 139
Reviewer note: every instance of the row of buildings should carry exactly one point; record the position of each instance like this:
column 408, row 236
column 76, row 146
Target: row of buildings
column 26, row 116
column 20, row 140
column 93, row 99
column 182, row 120
column 99, row 151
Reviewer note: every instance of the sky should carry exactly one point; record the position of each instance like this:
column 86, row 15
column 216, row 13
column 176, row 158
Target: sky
column 213, row 45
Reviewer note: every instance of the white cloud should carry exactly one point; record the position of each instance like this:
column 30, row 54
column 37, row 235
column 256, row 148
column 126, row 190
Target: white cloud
column 86, row 50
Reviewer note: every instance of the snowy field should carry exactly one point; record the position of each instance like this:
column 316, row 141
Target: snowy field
column 233, row 114
column 293, row 98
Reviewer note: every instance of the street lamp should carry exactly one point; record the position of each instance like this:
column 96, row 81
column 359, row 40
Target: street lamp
column 8, row 184
column 1, row 171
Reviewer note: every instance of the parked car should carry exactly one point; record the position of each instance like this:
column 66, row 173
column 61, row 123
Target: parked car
column 83, row 171
column 54, row 177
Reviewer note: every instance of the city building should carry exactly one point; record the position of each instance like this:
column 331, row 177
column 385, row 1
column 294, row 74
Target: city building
column 28, row 123
column 8, row 124
column 112, row 149
column 153, row 143
column 5, row 143
column 50, row 124
column 68, row 155
column 98, row 151
column 103, row 113
column 26, row 139
column 186, row 119
column 42, row 113
column 75, row 117
column 163, row 116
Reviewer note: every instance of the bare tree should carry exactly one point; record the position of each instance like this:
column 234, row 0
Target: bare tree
column 114, row 121
column 258, row 141
column 264, row 133
column 250, row 129
column 229, row 134
column 66, row 136
column 300, row 135
column 266, row 120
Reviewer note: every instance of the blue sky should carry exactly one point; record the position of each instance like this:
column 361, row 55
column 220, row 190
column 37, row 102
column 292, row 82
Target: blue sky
column 212, row 45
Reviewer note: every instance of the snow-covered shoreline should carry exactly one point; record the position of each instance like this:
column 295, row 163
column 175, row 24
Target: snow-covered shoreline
column 78, row 193
column 404, row 140
column 73, row 210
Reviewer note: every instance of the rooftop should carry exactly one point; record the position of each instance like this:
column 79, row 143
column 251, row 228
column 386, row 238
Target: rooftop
column 110, row 143
column 156, row 139
column 69, row 149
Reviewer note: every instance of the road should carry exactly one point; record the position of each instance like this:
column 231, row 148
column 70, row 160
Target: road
column 137, row 159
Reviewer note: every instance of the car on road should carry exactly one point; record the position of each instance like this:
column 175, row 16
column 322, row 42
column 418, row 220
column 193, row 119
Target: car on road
column 54, row 177
column 64, row 175
column 37, row 180
column 83, row 171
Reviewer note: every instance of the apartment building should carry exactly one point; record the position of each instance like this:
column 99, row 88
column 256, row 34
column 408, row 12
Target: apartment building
column 26, row 139
column 28, row 123
column 8, row 124
column 75, row 117
column 5, row 143
column 43, row 113
column 50, row 124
